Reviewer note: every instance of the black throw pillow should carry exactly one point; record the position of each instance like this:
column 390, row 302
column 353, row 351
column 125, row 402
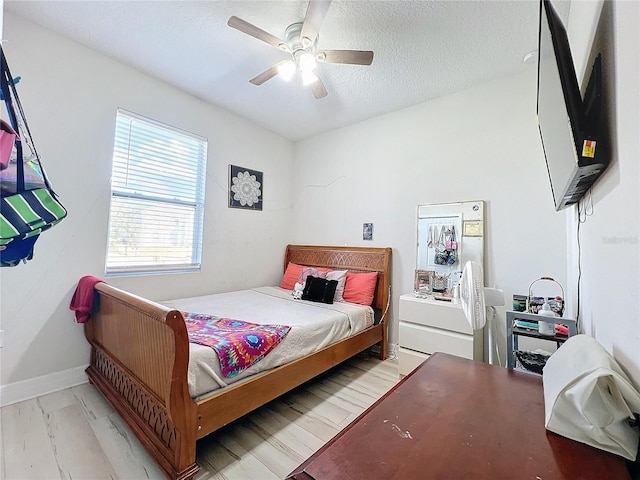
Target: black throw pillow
column 319, row 289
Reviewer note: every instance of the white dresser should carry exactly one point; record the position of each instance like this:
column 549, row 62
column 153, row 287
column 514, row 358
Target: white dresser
column 428, row 326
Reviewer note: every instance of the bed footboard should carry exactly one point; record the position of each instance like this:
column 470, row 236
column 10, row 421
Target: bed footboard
column 139, row 361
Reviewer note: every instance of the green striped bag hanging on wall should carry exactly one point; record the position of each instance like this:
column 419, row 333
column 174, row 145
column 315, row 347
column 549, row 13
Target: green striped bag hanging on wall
column 26, row 208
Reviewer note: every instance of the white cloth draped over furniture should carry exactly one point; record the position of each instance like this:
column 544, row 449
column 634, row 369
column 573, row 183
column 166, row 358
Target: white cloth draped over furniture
column 590, row 399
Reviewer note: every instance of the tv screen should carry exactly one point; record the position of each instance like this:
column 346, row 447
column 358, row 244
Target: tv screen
column 569, row 131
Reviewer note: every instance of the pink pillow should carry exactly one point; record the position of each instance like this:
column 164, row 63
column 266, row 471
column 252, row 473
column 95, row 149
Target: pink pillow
column 360, row 287
column 291, row 276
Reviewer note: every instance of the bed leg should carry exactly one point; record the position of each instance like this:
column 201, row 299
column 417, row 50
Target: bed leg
column 383, row 350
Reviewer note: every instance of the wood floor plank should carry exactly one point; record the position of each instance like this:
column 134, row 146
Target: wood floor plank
column 56, row 400
column 275, row 455
column 339, row 397
column 233, row 461
column 386, row 369
column 212, row 457
column 378, row 382
column 357, row 393
column 27, row 449
column 95, row 406
column 329, row 412
column 205, row 474
column 305, row 419
column 276, row 426
column 124, row 452
column 347, row 421
column 78, row 451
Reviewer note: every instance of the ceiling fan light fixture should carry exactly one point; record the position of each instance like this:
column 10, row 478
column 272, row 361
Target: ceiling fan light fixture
column 300, row 42
column 287, row 70
column 308, row 77
column 307, row 62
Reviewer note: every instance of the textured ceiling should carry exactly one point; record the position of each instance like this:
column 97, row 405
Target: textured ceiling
column 422, row 50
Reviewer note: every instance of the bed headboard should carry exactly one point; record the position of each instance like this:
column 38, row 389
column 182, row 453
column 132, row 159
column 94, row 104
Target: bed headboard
column 354, row 259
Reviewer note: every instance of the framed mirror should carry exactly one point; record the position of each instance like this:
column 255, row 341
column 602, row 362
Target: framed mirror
column 448, row 235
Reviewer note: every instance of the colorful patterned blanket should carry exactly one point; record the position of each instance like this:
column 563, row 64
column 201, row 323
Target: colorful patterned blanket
column 238, row 344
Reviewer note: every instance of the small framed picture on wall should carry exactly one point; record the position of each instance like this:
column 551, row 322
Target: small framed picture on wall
column 367, row 231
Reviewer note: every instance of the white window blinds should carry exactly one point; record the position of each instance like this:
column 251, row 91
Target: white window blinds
column 157, row 197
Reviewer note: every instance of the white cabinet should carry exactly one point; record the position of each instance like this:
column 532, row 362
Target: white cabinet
column 428, row 326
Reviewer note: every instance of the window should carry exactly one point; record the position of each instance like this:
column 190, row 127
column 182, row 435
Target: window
column 157, row 197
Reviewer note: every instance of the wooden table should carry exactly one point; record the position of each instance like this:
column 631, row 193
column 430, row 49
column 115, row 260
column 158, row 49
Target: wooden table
column 453, row 418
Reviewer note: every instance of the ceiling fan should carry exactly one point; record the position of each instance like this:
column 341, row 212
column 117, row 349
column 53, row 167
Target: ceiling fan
column 300, row 42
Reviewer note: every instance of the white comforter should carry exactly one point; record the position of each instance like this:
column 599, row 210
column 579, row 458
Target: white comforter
column 313, row 326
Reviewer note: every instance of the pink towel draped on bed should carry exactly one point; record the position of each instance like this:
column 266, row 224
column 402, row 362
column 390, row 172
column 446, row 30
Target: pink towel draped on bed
column 238, row 344
column 82, row 300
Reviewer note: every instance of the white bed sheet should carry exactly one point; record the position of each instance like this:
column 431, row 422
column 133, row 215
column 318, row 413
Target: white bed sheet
column 313, row 326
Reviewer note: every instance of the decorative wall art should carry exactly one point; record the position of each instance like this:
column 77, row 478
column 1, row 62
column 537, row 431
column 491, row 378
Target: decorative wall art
column 245, row 188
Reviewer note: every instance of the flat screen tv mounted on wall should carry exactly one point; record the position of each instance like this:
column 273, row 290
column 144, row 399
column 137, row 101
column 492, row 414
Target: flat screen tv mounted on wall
column 570, row 127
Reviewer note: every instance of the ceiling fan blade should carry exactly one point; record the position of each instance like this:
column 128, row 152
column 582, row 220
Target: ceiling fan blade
column 316, row 11
column 268, row 74
column 352, row 57
column 317, row 87
column 249, row 29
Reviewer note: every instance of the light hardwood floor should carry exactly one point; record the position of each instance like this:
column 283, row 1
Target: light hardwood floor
column 75, row 434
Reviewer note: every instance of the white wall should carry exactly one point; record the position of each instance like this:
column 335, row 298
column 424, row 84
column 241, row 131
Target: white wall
column 610, row 245
column 70, row 95
column 480, row 144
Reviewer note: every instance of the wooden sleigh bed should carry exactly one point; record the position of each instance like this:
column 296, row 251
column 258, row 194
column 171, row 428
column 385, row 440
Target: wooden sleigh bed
column 140, row 355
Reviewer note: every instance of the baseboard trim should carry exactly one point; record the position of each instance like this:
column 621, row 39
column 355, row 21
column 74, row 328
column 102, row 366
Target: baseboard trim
column 35, row 387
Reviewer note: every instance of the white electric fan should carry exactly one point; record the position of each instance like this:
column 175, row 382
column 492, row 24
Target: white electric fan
column 476, row 298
